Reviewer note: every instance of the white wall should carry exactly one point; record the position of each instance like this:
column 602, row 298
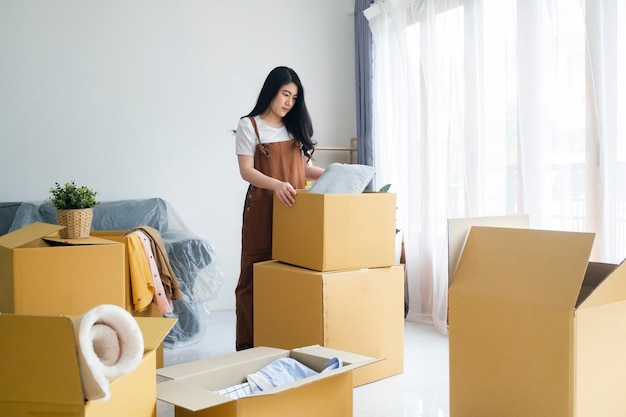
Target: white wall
column 101, row 91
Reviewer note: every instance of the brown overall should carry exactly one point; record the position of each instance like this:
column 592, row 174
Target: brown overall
column 283, row 161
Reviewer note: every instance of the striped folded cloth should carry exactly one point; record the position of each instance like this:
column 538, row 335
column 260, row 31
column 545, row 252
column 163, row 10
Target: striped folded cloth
column 236, row 391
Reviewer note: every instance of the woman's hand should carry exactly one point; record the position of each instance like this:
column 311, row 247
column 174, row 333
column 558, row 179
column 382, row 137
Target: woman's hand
column 285, row 193
column 283, row 190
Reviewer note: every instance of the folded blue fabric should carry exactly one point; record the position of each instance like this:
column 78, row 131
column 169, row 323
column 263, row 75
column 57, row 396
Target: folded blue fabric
column 333, row 363
column 282, row 371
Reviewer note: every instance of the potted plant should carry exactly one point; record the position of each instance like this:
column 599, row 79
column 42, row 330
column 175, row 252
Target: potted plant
column 74, row 209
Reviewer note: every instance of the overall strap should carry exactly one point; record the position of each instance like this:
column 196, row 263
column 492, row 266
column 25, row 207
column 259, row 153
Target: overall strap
column 256, row 129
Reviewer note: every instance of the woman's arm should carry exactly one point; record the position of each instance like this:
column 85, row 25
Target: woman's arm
column 311, row 172
column 283, row 190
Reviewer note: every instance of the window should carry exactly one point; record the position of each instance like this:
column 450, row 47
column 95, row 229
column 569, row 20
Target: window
column 477, row 51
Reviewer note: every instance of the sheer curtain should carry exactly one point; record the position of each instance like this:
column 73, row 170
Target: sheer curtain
column 495, row 107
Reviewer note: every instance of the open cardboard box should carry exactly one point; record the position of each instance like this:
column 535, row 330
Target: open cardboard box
column 40, row 373
column 359, row 311
column 329, row 232
column 40, row 273
column 191, row 386
column 535, row 328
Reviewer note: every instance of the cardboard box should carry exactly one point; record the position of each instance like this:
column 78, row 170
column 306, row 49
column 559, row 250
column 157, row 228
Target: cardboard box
column 359, row 311
column 536, row 329
column 191, row 386
column 40, row 374
column 39, row 274
column 328, row 232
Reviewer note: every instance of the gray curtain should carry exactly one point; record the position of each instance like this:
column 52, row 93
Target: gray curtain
column 363, row 54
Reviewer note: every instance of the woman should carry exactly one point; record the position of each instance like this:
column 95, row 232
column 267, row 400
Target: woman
column 274, row 146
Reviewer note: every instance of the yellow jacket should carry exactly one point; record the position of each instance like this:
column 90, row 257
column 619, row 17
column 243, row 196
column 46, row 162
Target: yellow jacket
column 141, row 285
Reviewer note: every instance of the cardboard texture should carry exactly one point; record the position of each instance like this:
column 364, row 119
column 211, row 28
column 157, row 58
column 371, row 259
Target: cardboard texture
column 190, row 386
column 536, row 329
column 329, row 232
column 458, row 230
column 40, row 374
column 41, row 275
column 359, row 311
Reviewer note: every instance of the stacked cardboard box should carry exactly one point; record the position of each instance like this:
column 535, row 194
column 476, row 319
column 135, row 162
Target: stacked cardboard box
column 333, row 281
column 351, row 308
column 40, row 274
column 44, row 279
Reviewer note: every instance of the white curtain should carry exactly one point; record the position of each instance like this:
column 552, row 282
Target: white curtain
column 496, row 107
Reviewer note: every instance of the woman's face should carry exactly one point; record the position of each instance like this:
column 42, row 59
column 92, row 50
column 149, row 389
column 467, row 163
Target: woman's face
column 284, row 100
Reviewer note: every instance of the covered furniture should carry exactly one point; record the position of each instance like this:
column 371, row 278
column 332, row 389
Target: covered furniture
column 191, row 257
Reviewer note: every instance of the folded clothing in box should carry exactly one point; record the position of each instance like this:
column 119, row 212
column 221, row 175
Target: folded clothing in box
column 278, row 372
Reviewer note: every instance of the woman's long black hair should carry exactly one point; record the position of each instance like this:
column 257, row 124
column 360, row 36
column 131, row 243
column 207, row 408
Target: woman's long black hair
column 297, row 120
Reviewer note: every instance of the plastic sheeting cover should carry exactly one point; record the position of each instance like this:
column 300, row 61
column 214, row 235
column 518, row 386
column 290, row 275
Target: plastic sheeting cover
column 191, row 257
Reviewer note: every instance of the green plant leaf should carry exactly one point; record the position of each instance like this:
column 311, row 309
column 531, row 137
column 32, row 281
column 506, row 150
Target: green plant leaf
column 70, row 196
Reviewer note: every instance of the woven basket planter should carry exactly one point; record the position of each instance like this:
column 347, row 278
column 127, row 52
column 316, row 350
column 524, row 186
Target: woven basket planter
column 77, row 222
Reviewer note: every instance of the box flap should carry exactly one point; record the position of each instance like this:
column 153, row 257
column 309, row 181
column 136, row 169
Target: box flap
column 459, row 228
column 28, row 233
column 606, row 283
column 107, row 233
column 154, row 330
column 76, row 242
column 189, row 396
column 536, row 267
column 38, row 360
column 197, row 367
column 317, row 356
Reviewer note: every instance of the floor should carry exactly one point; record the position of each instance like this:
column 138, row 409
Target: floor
column 421, row 391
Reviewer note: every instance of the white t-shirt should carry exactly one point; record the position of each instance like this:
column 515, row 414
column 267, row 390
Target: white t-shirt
column 245, row 137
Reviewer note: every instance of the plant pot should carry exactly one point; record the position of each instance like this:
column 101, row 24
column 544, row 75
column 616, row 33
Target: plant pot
column 77, row 222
